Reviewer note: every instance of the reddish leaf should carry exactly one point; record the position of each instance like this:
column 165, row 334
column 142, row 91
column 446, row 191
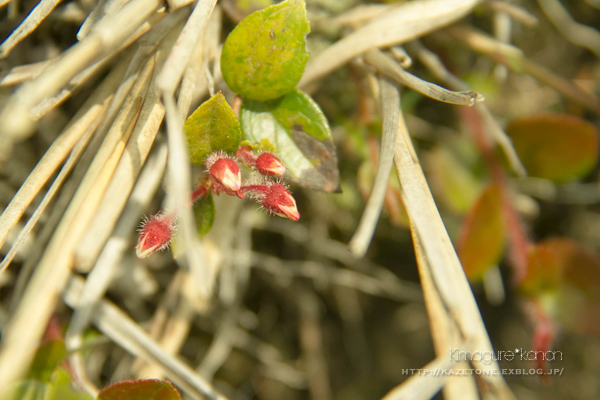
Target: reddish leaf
column 142, row 389
column 483, row 234
column 564, row 277
column 556, row 147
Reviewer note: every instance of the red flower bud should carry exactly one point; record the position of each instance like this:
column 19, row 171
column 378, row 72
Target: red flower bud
column 269, row 165
column 224, row 171
column 155, row 235
column 280, row 202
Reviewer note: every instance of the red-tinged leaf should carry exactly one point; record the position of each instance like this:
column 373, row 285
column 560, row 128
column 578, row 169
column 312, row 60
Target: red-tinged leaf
column 561, row 148
column 564, row 278
column 142, row 389
column 483, row 234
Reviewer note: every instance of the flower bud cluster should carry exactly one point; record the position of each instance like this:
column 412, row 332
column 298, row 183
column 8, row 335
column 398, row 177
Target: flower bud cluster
column 223, row 175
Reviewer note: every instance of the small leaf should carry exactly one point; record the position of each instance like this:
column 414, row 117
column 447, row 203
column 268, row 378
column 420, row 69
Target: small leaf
column 264, row 57
column 563, row 277
column 46, row 359
column 204, row 212
column 483, row 234
column 58, row 387
column 141, row 389
column 213, row 126
column 299, row 131
column 451, row 180
column 557, row 261
column 556, row 147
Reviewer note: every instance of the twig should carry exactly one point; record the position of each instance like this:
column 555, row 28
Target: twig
column 120, row 328
column 386, row 66
column 22, row 73
column 434, row 64
column 101, row 10
column 576, row 33
column 514, row 59
column 109, row 35
column 103, row 272
column 514, row 11
column 403, row 23
column 446, row 272
column 363, row 235
column 337, row 276
column 33, row 20
column 123, row 180
column 431, row 378
column 85, row 117
column 50, row 276
column 178, row 166
column 311, row 342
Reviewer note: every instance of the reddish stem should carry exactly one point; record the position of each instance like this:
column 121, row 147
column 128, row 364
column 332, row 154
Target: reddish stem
column 519, row 242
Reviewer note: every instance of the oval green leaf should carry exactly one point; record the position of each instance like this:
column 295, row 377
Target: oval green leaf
column 142, row 389
column 213, row 126
column 264, row 57
column 483, row 234
column 299, row 131
column 204, row 213
column 561, row 148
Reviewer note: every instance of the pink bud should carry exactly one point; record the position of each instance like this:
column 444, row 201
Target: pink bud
column 226, row 172
column 155, row 235
column 280, row 202
column 269, row 165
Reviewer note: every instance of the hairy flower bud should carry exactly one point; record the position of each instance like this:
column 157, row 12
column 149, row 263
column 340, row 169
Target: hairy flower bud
column 155, row 235
column 278, row 200
column 269, row 165
column 224, row 171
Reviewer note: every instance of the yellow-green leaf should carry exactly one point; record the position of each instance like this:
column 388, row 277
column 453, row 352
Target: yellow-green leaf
column 264, row 57
column 561, row 148
column 46, row 359
column 483, row 234
column 299, row 131
column 451, row 181
column 213, row 126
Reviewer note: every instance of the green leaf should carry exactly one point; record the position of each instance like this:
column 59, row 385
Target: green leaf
column 58, row 387
column 561, row 148
column 141, row 389
column 264, row 57
column 213, row 126
column 297, row 128
column 483, row 234
column 46, row 359
column 451, row 180
column 204, row 212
